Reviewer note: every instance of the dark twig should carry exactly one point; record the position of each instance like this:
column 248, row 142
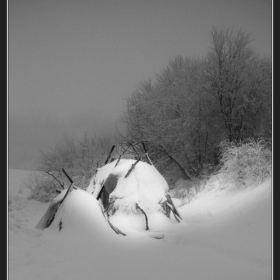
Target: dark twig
column 135, row 151
column 70, row 187
column 100, row 192
column 146, row 218
column 146, row 153
column 118, row 160
column 68, row 177
column 107, row 159
column 144, row 147
column 173, row 208
column 62, row 185
column 122, row 154
column 131, row 168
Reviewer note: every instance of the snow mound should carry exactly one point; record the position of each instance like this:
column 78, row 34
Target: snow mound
column 131, row 193
column 232, row 243
column 81, row 213
column 144, row 180
column 218, row 201
column 145, row 186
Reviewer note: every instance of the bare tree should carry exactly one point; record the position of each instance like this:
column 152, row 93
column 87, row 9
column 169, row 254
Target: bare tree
column 195, row 103
column 169, row 116
column 232, row 74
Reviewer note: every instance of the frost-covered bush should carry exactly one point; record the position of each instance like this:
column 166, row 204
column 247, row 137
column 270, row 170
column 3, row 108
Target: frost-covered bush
column 248, row 160
column 79, row 157
column 184, row 190
column 42, row 187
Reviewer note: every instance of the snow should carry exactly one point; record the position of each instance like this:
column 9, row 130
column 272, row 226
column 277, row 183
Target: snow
column 144, row 187
column 145, row 181
column 225, row 234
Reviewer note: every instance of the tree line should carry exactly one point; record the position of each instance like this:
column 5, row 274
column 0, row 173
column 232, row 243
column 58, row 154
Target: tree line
column 197, row 102
column 182, row 117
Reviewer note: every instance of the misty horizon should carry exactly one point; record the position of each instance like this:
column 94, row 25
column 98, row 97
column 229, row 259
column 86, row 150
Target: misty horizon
column 72, row 64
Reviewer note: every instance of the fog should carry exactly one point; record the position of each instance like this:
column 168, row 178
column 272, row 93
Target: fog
column 71, row 64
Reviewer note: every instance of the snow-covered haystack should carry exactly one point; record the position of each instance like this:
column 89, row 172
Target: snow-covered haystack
column 125, row 194
column 80, row 213
column 133, row 193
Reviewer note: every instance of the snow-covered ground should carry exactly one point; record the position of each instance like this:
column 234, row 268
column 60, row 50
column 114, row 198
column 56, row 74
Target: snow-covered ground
column 225, row 234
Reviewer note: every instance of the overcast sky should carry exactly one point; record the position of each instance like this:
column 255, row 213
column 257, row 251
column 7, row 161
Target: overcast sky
column 72, row 62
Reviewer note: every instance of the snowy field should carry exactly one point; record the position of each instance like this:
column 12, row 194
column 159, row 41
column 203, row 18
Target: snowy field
column 225, row 234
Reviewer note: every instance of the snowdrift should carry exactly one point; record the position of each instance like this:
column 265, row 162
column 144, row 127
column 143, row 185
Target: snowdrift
column 128, row 194
column 224, row 234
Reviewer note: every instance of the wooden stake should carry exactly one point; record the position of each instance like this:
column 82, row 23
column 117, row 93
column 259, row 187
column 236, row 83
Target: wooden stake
column 68, row 177
column 100, row 193
column 107, row 159
column 132, row 166
column 146, row 153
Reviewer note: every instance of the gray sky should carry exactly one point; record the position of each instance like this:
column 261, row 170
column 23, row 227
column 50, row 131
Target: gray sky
column 72, row 63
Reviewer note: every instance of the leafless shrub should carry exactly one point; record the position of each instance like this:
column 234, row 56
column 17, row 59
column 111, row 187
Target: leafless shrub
column 42, row 187
column 248, row 160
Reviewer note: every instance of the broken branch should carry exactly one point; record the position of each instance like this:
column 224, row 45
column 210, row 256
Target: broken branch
column 146, row 218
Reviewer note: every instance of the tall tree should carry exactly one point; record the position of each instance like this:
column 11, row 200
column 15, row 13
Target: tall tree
column 196, row 103
column 236, row 81
column 169, row 116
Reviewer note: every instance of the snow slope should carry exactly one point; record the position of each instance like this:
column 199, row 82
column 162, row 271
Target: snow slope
column 225, row 234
